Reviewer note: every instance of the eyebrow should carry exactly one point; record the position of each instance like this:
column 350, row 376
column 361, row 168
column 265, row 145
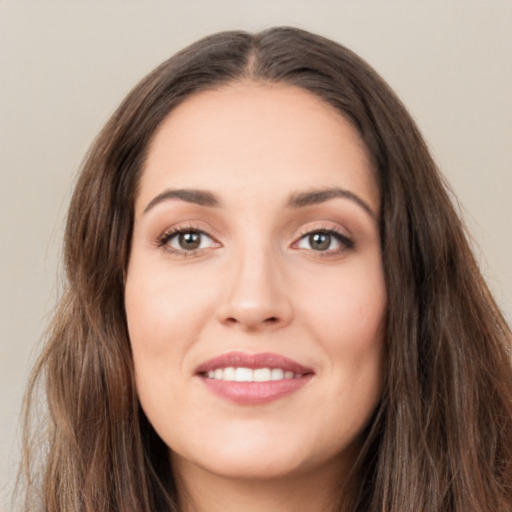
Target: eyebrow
column 200, row 197
column 308, row 198
column 296, row 200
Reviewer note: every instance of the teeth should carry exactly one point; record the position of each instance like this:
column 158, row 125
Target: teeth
column 229, row 374
column 277, row 374
column 250, row 375
column 243, row 375
column 261, row 374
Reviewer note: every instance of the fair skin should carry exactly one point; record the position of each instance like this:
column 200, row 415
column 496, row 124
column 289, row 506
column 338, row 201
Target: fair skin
column 237, row 261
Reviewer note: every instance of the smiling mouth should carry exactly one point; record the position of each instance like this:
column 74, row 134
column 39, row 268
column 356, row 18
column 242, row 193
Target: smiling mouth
column 253, row 379
column 242, row 374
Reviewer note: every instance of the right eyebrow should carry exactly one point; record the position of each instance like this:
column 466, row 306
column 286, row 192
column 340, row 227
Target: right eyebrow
column 310, row 197
column 200, row 197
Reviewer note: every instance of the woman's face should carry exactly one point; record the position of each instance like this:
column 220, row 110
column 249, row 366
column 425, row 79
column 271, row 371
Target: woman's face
column 255, row 295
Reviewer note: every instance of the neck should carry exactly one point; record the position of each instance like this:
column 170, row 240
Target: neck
column 202, row 491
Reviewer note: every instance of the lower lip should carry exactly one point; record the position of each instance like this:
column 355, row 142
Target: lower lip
column 254, row 393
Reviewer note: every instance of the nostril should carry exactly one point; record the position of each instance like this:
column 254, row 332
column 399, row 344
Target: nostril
column 269, row 321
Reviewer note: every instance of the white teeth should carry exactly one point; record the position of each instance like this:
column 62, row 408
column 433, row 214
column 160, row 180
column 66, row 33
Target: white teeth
column 243, row 375
column 229, row 374
column 249, row 375
column 261, row 374
column 277, row 374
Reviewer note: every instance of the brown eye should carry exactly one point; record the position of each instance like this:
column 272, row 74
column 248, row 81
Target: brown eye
column 190, row 240
column 187, row 240
column 324, row 241
column 319, row 241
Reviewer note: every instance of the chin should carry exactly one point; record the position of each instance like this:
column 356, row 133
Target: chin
column 256, row 466
column 255, row 457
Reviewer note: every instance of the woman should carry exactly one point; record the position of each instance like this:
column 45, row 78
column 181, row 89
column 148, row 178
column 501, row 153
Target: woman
column 271, row 303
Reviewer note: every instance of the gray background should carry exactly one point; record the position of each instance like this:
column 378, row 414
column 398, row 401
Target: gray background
column 65, row 65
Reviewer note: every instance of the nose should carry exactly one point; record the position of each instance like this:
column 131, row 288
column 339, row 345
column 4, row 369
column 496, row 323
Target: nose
column 253, row 294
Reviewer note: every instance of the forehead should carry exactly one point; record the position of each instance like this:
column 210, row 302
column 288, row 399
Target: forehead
column 257, row 137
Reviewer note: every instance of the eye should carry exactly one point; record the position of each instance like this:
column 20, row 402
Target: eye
column 186, row 240
column 324, row 241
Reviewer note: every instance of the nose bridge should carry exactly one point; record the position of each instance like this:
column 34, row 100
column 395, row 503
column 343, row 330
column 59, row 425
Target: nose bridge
column 254, row 294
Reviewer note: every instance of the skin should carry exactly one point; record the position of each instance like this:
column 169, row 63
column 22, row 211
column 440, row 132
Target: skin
column 257, row 284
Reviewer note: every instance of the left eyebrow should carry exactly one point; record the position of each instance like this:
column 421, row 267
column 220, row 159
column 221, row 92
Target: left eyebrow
column 200, row 197
column 302, row 199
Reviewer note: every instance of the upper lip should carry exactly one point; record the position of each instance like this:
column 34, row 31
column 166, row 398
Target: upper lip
column 253, row 361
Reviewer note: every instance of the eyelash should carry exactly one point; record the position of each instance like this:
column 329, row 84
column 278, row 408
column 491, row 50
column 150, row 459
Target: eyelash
column 345, row 242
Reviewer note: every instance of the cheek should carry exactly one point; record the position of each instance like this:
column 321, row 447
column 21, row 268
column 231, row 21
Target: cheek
column 347, row 317
column 164, row 320
column 347, row 309
column 165, row 311
column 353, row 339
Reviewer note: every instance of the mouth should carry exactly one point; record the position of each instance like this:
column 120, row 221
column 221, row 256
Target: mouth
column 253, row 378
column 241, row 374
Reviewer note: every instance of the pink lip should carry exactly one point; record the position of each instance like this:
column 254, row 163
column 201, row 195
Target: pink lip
column 242, row 360
column 254, row 393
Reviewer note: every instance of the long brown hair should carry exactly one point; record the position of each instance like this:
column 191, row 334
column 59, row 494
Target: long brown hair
column 441, row 438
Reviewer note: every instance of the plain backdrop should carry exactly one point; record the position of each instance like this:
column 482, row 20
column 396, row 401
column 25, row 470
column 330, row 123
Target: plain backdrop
column 65, row 65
